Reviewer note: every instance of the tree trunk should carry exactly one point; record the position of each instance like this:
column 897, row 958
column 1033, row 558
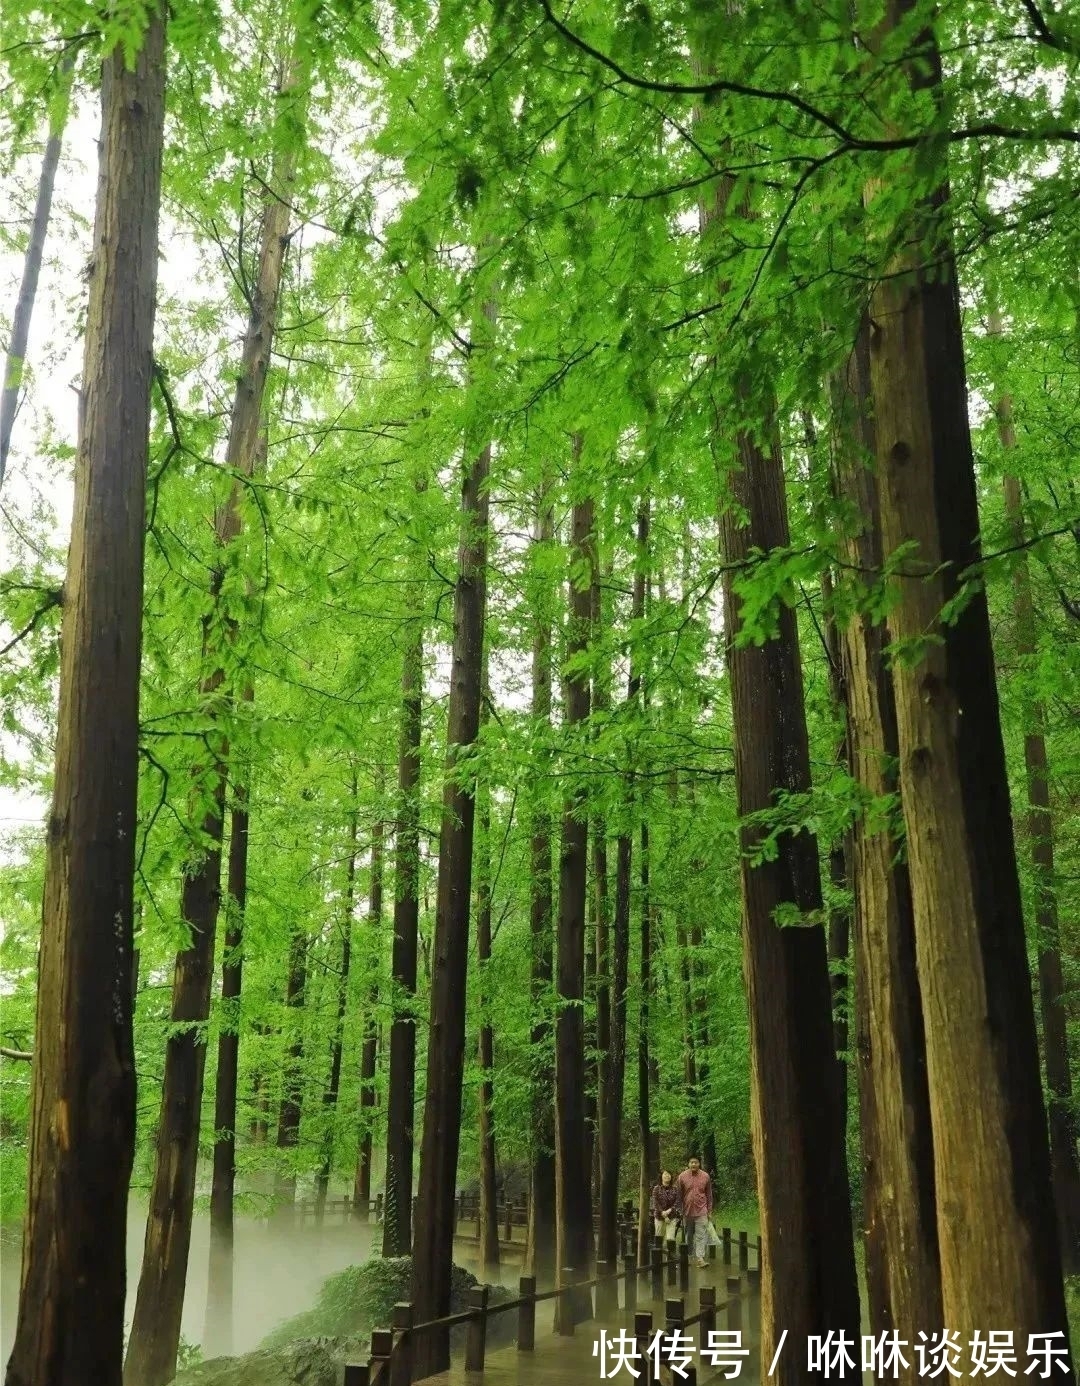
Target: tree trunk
column 541, row 1230
column 369, row 1047
column 1063, row 1163
column 597, row 957
column 292, row 1090
column 397, row 1217
column 612, row 1090
column 690, row 1074
column 989, row 1122
column 333, row 1087
column 903, row 1275
column 217, row 1336
column 572, row 1174
column 650, row 1141
column 488, row 1250
column 706, row 1137
column 434, row 1236
column 808, row 1283
column 35, row 250
column 70, row 1327
column 155, row 1329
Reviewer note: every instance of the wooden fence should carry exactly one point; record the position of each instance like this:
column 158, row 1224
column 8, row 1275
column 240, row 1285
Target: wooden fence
column 668, row 1265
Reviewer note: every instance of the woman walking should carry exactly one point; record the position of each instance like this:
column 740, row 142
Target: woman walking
column 662, row 1206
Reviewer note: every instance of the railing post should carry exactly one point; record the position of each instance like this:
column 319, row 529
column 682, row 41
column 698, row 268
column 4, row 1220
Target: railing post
column 671, row 1259
column 675, row 1314
column 707, row 1310
column 401, row 1320
column 526, row 1334
column 643, row 1334
column 758, row 1247
column 684, row 1268
column 378, row 1207
column 753, row 1282
column 734, row 1304
column 476, row 1330
column 356, row 1375
column 743, row 1251
column 656, row 1261
column 382, row 1347
column 630, row 1275
column 725, row 1237
column 509, row 1223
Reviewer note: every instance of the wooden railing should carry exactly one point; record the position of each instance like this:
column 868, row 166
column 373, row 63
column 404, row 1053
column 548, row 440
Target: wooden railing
column 391, row 1360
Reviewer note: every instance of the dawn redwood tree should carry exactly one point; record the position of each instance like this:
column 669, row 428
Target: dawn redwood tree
column 70, row 1326
column 488, row 1249
column 541, row 1230
column 613, row 1070
column 333, row 1086
column 903, row 1275
column 400, row 1101
column 292, row 1082
column 809, row 1284
column 433, row 1240
column 370, row 1041
column 155, row 1328
column 1063, row 1160
column 572, row 1173
column 971, row 954
column 217, row 1337
column 35, row 249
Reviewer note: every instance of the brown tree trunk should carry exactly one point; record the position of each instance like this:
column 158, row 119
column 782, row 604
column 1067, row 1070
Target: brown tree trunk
column 35, row 250
column 489, row 1217
column 613, row 1044
column 597, row 956
column 706, row 1136
column 541, row 1230
column 690, row 1074
column 989, row 1123
column 1063, row 1162
column 650, row 1141
column 434, row 1235
column 572, row 1173
column 397, row 1217
column 369, row 1046
column 217, row 1335
column 333, row 1087
column 155, row 1329
column 292, row 1090
column 70, row 1327
column 903, row 1274
column 808, row 1283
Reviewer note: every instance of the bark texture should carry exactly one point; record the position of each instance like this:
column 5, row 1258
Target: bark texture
column 489, row 1217
column 541, row 1230
column 1040, row 827
column 70, row 1325
column 572, row 1172
column 903, row 1274
column 434, row 1234
column 989, row 1123
column 155, row 1329
column 397, row 1218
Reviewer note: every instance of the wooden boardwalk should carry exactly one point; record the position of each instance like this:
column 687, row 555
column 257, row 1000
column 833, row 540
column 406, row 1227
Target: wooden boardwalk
column 568, row 1360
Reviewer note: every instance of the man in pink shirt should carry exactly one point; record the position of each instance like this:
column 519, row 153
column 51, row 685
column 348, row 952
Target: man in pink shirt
column 693, row 1200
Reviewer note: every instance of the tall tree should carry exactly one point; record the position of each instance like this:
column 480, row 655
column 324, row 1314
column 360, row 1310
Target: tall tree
column 35, row 250
column 903, row 1274
column 333, row 1086
column 572, row 1172
column 397, row 1218
column 969, row 927
column 290, row 1110
column 155, row 1328
column 434, row 1237
column 70, row 1327
column 370, row 1042
column 541, row 1230
column 1063, row 1159
column 217, row 1335
column 488, row 1250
